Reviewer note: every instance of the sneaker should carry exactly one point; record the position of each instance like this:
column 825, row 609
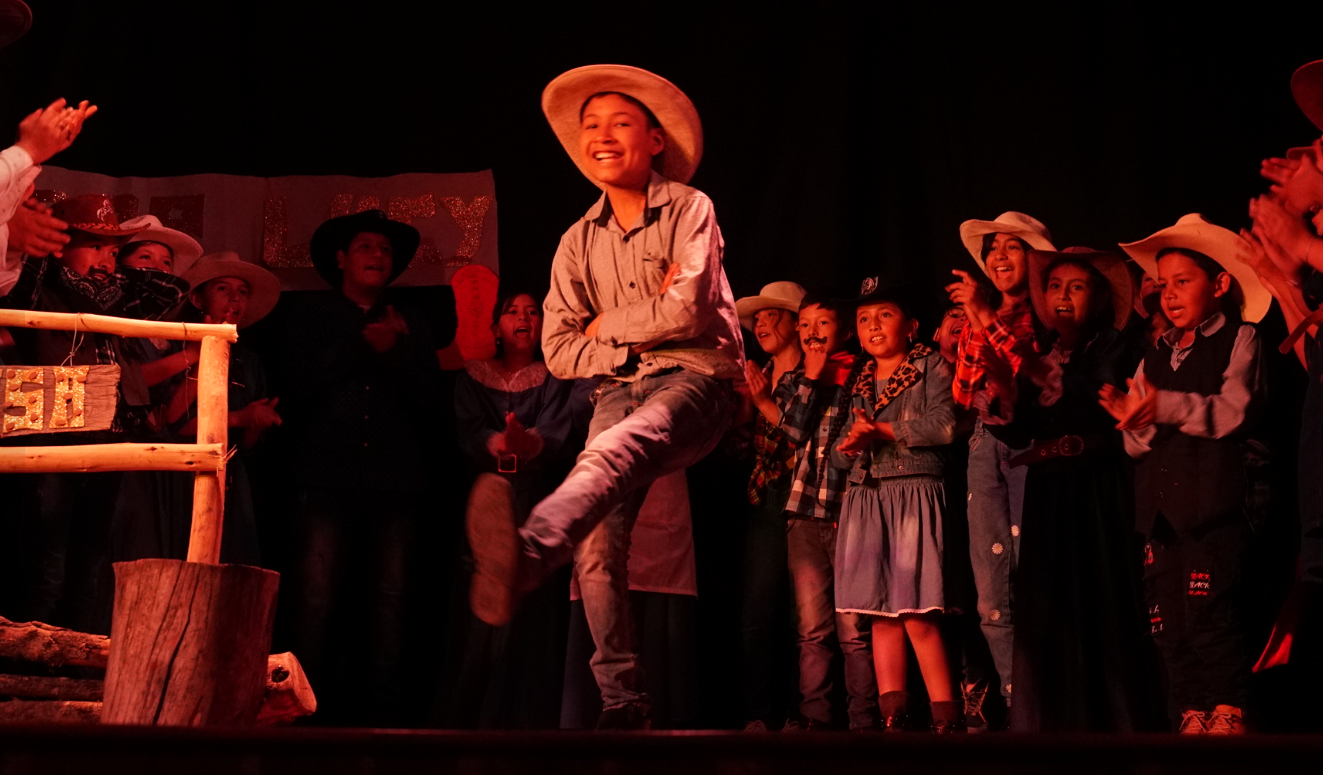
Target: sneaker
column 1192, row 723
column 494, row 541
column 1226, row 720
column 975, row 721
column 630, row 717
column 757, row 725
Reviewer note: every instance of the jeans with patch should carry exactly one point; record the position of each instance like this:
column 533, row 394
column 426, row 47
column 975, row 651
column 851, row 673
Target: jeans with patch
column 640, row 432
column 996, row 506
column 812, row 561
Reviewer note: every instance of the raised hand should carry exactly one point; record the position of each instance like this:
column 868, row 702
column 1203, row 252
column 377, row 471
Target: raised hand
column 1134, row 410
column 969, row 294
column 49, row 130
column 1272, row 223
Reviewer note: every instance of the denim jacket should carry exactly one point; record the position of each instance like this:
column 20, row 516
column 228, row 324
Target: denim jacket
column 923, row 418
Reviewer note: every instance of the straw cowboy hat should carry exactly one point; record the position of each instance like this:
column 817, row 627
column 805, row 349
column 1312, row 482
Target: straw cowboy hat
column 781, row 295
column 1111, row 265
column 1222, row 245
column 15, row 21
column 563, row 99
column 1010, row 222
column 332, row 236
column 263, row 287
column 184, row 248
column 94, row 214
column 1307, row 87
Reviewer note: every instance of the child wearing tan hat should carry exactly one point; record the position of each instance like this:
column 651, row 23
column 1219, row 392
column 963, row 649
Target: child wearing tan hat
column 668, row 357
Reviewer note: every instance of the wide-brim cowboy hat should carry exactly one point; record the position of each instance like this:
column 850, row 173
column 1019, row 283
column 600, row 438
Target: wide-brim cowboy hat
column 94, row 214
column 1307, row 88
column 333, row 235
column 1010, row 222
column 1222, row 245
column 563, row 99
column 15, row 21
column 1110, row 265
column 184, row 248
column 780, row 295
column 263, row 286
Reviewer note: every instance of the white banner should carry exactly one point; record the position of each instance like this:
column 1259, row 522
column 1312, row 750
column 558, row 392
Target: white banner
column 271, row 220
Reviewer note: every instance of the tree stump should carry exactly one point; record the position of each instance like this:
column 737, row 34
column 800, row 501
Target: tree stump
column 190, row 643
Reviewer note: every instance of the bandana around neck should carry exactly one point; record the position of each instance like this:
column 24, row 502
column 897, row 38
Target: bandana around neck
column 905, row 376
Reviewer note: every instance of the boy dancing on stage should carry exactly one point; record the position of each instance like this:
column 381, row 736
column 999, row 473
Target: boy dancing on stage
column 638, row 297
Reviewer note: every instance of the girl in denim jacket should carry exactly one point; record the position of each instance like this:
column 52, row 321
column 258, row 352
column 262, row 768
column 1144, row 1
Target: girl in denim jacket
column 889, row 548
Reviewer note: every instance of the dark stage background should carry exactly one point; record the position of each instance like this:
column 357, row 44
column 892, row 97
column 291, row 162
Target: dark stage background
column 840, row 142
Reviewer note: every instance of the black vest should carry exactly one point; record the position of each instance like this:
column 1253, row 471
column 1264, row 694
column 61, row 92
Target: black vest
column 1190, row 481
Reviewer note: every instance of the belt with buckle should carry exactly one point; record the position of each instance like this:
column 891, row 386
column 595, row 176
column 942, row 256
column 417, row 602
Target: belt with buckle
column 1066, row 446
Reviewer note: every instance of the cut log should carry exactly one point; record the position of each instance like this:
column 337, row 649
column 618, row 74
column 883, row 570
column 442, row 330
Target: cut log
column 191, row 643
column 53, row 646
column 51, row 688
column 49, row 712
column 288, row 694
column 85, row 458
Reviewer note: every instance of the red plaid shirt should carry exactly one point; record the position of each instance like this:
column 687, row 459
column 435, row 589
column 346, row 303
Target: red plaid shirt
column 1010, row 335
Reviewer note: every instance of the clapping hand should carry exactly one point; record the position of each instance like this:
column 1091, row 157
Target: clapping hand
column 1134, row 410
column 33, row 231
column 382, row 334
column 863, row 433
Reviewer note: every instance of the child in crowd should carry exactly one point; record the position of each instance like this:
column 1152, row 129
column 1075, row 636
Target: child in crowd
column 814, row 507
column 154, row 509
column 1191, row 406
column 71, row 531
column 773, row 317
column 227, row 289
column 999, row 334
column 517, row 421
column 1078, row 632
column 889, row 562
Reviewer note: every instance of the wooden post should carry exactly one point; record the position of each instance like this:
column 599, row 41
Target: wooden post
column 204, row 543
column 190, row 643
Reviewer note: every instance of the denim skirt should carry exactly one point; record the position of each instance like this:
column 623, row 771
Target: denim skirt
column 889, row 547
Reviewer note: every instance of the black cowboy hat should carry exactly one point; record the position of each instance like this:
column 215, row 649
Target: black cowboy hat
column 914, row 300
column 333, row 235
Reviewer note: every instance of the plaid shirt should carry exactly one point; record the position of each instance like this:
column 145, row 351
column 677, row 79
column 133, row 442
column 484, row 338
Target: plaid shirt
column 773, row 452
column 812, row 404
column 1010, row 335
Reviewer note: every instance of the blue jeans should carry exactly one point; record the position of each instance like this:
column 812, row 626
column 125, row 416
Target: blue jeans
column 996, row 505
column 640, row 432
column 811, row 556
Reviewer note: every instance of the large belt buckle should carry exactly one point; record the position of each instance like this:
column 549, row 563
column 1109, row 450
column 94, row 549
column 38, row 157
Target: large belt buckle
column 1070, row 446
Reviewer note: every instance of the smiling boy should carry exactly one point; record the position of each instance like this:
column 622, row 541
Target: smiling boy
column 1187, row 417
column 817, row 489
column 639, row 299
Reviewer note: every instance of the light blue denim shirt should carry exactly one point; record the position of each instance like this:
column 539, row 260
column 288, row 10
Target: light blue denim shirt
column 923, row 418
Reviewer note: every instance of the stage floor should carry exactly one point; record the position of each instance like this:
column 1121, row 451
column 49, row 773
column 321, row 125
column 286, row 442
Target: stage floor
column 95, row 750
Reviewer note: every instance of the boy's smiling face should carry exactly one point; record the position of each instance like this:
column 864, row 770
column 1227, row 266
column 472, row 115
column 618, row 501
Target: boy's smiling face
column 91, row 254
column 1189, row 295
column 820, row 330
column 617, row 143
column 367, row 263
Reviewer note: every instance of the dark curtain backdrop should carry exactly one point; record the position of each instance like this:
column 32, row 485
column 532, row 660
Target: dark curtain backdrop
column 841, row 141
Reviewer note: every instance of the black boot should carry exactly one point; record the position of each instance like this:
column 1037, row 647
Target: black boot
column 948, row 717
column 891, row 705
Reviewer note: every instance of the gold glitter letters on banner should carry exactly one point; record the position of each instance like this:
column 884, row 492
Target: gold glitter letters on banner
column 180, row 212
column 275, row 229
column 31, row 402
column 405, row 209
column 470, row 218
column 70, row 392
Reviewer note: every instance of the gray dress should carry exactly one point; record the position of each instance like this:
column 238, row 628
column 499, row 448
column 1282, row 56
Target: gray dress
column 889, row 543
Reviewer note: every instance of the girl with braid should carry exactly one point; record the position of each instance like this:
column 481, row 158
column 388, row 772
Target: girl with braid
column 898, row 402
